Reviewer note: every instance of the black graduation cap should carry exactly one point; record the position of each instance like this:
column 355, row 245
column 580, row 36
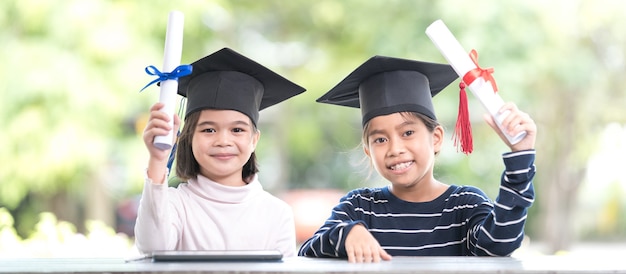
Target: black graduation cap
column 384, row 85
column 228, row 80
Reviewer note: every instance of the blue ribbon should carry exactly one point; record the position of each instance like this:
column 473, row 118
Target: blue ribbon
column 170, row 158
column 180, row 71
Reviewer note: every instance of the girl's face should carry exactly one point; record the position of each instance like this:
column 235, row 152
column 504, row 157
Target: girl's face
column 222, row 143
column 402, row 149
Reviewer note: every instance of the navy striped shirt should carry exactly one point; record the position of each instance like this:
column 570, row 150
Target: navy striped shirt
column 461, row 222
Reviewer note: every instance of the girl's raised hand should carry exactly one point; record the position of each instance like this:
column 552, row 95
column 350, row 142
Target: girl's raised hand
column 514, row 123
column 158, row 125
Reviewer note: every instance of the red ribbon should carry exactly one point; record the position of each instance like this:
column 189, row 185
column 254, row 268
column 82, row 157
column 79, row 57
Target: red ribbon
column 474, row 74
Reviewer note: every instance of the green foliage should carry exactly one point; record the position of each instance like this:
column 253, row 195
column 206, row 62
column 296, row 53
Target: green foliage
column 54, row 238
column 8, row 236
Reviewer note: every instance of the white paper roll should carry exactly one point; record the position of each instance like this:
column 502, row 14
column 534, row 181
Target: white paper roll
column 171, row 59
column 460, row 61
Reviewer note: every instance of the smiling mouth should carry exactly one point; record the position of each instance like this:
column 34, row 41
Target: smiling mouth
column 400, row 166
column 222, row 155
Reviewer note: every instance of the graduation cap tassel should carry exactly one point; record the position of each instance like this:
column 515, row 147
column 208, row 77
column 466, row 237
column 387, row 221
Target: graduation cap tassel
column 463, row 129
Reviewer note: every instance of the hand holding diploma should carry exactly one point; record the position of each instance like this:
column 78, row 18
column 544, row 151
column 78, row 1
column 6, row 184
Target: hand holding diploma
column 480, row 81
column 515, row 122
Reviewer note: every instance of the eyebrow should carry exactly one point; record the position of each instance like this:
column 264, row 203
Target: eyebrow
column 235, row 123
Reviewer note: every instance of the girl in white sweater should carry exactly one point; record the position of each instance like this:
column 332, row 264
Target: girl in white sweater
column 222, row 205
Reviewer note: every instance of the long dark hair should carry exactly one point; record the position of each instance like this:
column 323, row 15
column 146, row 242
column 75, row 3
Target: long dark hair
column 187, row 167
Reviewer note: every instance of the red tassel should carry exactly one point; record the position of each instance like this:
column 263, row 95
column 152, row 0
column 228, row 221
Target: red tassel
column 463, row 129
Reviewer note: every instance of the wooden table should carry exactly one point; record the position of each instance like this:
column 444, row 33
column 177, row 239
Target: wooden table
column 536, row 264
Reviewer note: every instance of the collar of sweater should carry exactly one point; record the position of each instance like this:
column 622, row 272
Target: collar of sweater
column 211, row 190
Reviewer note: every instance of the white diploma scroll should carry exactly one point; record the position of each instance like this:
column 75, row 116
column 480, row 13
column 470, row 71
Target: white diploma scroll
column 460, row 60
column 171, row 60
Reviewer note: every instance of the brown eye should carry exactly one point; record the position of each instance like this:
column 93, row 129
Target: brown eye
column 379, row 140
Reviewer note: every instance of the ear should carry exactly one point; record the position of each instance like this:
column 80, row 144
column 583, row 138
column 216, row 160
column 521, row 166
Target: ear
column 437, row 136
column 367, row 151
column 255, row 138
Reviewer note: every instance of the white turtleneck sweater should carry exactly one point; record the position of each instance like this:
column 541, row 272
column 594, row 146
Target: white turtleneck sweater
column 204, row 215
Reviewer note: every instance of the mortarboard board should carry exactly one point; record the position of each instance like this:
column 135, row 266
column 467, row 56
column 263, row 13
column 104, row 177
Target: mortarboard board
column 226, row 79
column 384, row 85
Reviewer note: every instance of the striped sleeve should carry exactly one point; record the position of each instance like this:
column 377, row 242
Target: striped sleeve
column 329, row 240
column 501, row 232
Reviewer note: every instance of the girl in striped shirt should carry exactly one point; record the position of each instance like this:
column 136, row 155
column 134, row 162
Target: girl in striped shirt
column 417, row 215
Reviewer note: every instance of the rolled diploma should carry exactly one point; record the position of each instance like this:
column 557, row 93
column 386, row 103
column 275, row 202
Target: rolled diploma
column 460, row 61
column 171, row 59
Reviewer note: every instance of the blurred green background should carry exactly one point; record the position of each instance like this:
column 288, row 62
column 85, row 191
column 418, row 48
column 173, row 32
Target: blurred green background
column 71, row 114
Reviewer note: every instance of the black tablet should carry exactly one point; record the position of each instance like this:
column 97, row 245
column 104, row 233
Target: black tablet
column 215, row 255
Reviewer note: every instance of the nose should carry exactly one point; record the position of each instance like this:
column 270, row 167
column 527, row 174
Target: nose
column 396, row 147
column 223, row 138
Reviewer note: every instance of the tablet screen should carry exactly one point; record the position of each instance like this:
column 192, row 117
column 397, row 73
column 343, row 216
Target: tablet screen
column 216, row 255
